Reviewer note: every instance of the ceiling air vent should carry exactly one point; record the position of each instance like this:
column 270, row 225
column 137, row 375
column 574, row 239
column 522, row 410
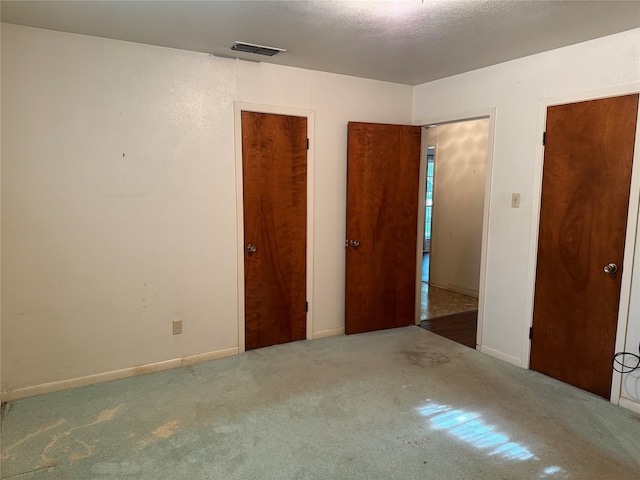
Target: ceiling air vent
column 257, row 49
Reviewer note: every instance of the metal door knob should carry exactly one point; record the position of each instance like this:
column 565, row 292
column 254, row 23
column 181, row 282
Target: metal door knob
column 251, row 248
column 354, row 243
column 611, row 268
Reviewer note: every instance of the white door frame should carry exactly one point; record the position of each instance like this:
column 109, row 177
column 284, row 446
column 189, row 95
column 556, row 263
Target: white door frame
column 240, row 107
column 632, row 220
column 489, row 113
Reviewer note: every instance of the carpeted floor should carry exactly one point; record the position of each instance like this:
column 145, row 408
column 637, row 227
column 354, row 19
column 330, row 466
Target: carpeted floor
column 397, row 404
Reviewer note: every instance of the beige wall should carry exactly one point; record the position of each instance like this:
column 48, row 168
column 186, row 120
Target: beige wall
column 458, row 206
column 118, row 198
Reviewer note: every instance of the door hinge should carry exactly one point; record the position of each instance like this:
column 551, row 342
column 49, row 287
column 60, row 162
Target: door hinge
column 307, row 144
column 544, row 138
column 530, row 333
column 306, row 306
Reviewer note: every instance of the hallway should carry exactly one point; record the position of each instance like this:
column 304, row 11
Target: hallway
column 447, row 313
column 437, row 302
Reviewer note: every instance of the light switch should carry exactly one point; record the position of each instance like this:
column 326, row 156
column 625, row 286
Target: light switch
column 515, row 200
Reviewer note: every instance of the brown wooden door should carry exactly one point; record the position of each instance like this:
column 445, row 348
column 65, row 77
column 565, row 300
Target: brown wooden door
column 583, row 215
column 274, row 169
column 382, row 215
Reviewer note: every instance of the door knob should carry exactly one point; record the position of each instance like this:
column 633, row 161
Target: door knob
column 611, row 268
column 354, row 243
column 251, row 248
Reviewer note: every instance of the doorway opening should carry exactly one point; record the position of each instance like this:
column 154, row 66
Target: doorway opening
column 455, row 158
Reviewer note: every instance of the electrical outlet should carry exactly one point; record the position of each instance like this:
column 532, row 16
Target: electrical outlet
column 177, row 327
column 515, row 200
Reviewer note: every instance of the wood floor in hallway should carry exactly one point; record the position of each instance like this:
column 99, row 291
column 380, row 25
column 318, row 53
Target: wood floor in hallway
column 459, row 327
column 446, row 313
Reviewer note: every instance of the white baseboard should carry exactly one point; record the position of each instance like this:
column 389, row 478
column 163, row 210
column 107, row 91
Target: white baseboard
column 115, row 375
column 332, row 332
column 456, row 288
column 629, row 404
column 500, row 355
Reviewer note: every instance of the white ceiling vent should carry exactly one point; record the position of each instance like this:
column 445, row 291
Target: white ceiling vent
column 257, row 49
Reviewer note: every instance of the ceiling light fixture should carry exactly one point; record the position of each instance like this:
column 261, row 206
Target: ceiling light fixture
column 257, row 49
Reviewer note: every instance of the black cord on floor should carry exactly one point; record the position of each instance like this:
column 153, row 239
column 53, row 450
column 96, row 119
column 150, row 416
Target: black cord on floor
column 623, row 362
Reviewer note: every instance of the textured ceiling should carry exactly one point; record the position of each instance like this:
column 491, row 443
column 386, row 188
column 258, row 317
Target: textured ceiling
column 408, row 42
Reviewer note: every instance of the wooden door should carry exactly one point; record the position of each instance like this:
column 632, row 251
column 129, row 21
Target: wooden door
column 382, row 217
column 583, row 214
column 274, row 169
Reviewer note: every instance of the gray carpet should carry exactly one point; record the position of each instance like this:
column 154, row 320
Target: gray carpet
column 400, row 404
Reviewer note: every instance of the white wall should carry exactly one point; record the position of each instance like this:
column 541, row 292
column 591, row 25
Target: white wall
column 516, row 89
column 100, row 252
column 336, row 100
column 631, row 381
column 118, row 199
column 458, row 205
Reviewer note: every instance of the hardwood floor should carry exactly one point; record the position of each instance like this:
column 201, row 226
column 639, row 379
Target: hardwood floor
column 449, row 314
column 459, row 327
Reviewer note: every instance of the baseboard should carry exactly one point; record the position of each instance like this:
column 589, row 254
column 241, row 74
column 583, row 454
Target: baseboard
column 332, row 332
column 115, row 375
column 500, row 355
column 456, row 288
column 629, row 404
